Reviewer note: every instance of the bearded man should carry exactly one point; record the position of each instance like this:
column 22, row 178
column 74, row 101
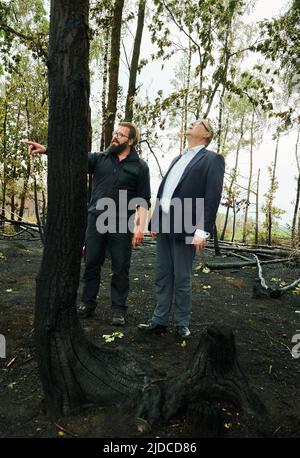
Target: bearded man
column 120, row 195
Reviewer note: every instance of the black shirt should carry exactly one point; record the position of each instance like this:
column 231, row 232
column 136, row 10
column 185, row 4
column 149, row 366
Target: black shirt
column 110, row 176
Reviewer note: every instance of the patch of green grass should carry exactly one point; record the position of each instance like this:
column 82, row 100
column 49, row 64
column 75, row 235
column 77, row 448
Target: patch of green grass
column 2, row 257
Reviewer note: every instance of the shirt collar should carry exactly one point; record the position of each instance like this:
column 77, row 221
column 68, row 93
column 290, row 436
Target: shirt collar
column 132, row 156
column 195, row 149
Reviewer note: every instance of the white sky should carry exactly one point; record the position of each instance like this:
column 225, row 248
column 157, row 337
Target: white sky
column 153, row 79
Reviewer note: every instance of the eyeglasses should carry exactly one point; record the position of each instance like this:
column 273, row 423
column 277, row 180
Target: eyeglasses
column 119, row 135
column 206, row 128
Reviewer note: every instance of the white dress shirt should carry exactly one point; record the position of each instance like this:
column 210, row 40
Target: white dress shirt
column 173, row 179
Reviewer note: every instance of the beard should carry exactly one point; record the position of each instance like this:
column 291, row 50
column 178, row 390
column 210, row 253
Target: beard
column 115, row 148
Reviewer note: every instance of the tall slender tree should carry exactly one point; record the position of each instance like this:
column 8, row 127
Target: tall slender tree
column 113, row 70
column 135, row 61
column 244, row 236
column 271, row 194
column 297, row 200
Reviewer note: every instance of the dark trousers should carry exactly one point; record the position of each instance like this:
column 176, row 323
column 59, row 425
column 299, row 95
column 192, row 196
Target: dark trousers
column 119, row 246
column 173, row 277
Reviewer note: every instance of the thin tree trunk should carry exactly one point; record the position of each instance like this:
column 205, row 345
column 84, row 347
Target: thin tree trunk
column 37, row 211
column 185, row 102
column 296, row 208
column 225, row 59
column 233, row 179
column 296, row 211
column 113, row 70
column 233, row 220
column 12, row 204
column 13, row 195
column 24, row 190
column 271, row 197
column 216, row 241
column 104, row 88
column 134, row 61
column 257, row 208
column 220, row 119
column 4, row 179
column 226, row 130
column 28, row 169
column 43, row 210
column 244, row 237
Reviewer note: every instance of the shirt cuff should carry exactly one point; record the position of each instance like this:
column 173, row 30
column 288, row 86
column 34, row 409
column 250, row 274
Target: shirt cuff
column 202, row 234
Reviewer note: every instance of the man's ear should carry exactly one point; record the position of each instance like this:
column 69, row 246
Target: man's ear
column 207, row 136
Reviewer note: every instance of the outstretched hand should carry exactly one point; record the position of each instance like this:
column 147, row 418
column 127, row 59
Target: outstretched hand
column 35, row 148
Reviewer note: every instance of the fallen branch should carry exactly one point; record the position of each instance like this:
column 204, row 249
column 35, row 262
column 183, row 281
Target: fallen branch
column 262, row 289
column 231, row 253
column 260, row 251
column 13, row 235
column 239, row 265
column 18, row 222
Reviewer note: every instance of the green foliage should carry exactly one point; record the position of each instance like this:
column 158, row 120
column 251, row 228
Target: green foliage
column 22, row 22
column 280, row 40
column 23, row 104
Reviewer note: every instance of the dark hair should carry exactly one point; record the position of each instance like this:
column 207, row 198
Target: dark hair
column 133, row 131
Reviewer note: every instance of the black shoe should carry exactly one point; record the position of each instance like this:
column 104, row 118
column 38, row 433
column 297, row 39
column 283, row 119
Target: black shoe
column 118, row 319
column 152, row 327
column 85, row 311
column 183, row 332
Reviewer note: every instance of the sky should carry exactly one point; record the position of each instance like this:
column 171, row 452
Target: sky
column 154, row 79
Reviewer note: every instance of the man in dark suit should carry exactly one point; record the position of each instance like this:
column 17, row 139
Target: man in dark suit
column 184, row 216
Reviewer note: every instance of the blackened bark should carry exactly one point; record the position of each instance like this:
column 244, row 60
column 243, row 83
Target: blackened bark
column 104, row 88
column 113, row 70
column 134, row 62
column 68, row 137
column 296, row 207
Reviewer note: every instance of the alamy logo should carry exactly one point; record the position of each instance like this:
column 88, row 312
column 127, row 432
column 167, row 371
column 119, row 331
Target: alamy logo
column 296, row 348
column 2, row 346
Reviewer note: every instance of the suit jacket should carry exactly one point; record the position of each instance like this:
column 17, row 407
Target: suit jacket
column 202, row 178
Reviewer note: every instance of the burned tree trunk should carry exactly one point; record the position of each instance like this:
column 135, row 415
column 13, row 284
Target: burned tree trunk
column 212, row 381
column 58, row 279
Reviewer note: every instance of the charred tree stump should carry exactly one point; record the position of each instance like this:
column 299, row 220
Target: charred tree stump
column 213, row 384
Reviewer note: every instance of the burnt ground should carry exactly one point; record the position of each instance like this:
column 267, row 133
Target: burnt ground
column 263, row 330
